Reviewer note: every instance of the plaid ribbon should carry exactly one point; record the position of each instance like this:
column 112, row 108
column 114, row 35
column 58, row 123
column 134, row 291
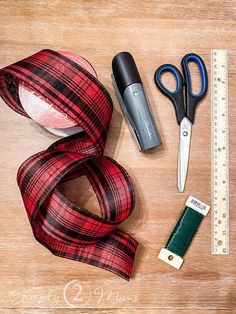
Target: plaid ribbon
column 64, row 228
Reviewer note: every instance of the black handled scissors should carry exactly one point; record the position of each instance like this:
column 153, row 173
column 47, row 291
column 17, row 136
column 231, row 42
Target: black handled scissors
column 184, row 107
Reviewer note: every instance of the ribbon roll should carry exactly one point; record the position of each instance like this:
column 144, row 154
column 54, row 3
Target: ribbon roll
column 41, row 110
column 65, row 229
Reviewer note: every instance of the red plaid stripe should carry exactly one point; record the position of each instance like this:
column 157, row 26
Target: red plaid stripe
column 64, row 228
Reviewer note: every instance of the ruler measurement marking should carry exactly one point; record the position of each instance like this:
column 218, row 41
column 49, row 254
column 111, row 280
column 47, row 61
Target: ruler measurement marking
column 220, row 154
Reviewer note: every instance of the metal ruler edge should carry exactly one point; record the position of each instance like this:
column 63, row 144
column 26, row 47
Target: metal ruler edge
column 219, row 153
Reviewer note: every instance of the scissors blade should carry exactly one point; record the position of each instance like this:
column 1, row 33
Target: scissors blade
column 184, row 148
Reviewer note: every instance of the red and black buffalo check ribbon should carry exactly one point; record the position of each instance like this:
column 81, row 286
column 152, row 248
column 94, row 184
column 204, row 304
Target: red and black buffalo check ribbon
column 64, row 228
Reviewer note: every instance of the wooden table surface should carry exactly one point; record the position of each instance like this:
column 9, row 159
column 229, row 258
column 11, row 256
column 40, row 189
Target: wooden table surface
column 155, row 32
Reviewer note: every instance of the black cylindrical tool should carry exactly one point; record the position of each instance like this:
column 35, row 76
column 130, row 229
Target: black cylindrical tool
column 129, row 89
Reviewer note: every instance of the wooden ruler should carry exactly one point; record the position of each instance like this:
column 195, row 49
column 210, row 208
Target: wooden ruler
column 219, row 153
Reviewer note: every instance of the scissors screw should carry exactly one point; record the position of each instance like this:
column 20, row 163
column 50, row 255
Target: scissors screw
column 185, row 133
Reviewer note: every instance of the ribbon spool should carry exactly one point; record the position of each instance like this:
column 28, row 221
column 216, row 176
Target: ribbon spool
column 65, row 229
column 41, row 110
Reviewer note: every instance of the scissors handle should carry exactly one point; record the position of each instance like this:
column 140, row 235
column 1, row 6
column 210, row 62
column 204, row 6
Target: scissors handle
column 175, row 96
column 193, row 99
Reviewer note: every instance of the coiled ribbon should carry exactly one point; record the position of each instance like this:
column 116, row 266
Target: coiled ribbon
column 64, row 228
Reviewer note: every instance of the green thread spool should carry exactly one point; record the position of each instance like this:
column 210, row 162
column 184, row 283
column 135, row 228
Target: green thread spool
column 184, row 232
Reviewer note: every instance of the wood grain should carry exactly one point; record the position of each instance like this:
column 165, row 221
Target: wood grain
column 155, row 32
